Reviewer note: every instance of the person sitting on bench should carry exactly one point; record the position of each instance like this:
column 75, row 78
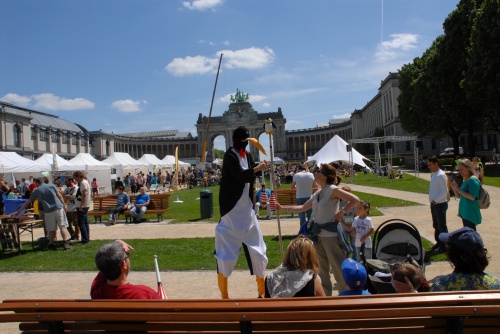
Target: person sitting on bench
column 121, row 205
column 113, row 262
column 141, row 205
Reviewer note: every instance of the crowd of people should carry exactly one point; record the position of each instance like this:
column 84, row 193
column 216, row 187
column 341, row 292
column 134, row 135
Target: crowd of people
column 334, row 233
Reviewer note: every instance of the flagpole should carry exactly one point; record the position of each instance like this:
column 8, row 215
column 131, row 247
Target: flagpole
column 274, row 189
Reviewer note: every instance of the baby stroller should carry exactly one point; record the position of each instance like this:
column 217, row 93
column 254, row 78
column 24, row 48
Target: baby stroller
column 395, row 240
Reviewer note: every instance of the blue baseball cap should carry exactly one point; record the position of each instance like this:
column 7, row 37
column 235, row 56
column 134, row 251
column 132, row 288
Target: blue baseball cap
column 354, row 274
column 465, row 238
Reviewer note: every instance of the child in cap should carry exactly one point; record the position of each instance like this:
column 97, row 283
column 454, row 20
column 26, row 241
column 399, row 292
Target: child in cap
column 355, row 277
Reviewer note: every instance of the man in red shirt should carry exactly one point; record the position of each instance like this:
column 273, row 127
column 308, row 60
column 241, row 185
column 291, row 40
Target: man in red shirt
column 111, row 282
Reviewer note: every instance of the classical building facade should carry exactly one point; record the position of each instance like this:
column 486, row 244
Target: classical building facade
column 32, row 133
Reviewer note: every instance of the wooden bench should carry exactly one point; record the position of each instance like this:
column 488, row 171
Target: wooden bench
column 102, row 206
column 158, row 205
column 443, row 312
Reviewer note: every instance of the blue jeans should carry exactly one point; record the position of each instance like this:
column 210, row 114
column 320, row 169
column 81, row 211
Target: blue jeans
column 83, row 223
column 138, row 216
column 438, row 212
column 302, row 215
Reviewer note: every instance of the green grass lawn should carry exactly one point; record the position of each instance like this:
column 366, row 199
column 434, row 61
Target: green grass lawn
column 408, row 183
column 173, row 254
column 189, row 209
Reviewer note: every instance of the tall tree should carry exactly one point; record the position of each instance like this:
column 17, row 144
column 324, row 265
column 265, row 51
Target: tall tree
column 452, row 64
column 421, row 110
column 482, row 78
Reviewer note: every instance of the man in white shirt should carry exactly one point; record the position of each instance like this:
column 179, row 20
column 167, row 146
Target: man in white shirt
column 303, row 182
column 438, row 198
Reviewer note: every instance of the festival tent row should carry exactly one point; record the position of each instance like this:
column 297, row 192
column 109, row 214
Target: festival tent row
column 124, row 164
column 336, row 150
column 170, row 159
column 154, row 163
column 94, row 168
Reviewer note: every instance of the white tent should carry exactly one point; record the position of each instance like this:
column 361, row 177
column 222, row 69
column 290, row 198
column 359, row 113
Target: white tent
column 62, row 164
column 152, row 160
column 336, row 150
column 95, row 169
column 171, row 159
column 11, row 162
column 124, row 164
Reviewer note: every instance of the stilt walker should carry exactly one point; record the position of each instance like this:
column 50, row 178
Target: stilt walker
column 238, row 225
column 269, row 128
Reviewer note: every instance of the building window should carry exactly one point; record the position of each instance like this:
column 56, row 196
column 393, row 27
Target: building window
column 33, row 132
column 54, row 136
column 16, row 131
column 65, row 139
column 43, row 134
column 75, row 139
column 83, row 141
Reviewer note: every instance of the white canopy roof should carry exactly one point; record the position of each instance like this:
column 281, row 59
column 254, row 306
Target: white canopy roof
column 13, row 162
column 152, row 160
column 336, row 150
column 124, row 161
column 171, row 159
column 62, row 164
column 90, row 163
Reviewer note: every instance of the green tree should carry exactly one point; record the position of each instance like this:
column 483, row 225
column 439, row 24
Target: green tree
column 482, row 78
column 452, row 65
column 218, row 153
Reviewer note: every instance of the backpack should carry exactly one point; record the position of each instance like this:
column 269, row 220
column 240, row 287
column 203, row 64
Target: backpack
column 484, row 198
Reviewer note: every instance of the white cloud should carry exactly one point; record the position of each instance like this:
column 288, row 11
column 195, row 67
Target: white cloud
column 192, row 65
column 16, row 99
column 341, row 116
column 396, row 47
column 251, row 58
column 202, row 5
column 251, row 98
column 128, row 105
column 266, row 105
column 49, row 101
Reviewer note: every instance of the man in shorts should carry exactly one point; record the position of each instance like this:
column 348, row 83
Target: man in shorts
column 54, row 207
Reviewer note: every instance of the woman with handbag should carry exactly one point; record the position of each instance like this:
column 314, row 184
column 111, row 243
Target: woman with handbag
column 468, row 209
column 325, row 217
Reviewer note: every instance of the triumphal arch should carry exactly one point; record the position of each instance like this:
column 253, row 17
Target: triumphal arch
column 239, row 113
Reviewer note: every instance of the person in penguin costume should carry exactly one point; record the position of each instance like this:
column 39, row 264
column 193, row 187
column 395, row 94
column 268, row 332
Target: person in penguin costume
column 238, row 224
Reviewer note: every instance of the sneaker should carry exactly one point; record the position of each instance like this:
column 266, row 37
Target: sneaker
column 67, row 246
column 112, row 222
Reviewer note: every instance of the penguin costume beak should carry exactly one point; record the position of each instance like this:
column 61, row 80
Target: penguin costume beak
column 256, row 143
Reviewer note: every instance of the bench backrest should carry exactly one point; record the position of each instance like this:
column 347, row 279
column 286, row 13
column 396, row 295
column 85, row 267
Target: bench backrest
column 105, row 203
column 448, row 312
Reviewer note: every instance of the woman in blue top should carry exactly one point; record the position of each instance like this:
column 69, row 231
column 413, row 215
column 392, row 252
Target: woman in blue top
column 468, row 209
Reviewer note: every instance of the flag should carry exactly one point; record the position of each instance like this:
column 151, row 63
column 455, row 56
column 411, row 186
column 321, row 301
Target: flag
column 161, row 291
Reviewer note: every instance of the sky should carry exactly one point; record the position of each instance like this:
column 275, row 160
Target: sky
column 127, row 66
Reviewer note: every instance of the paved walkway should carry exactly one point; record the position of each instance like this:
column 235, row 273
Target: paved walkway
column 202, row 284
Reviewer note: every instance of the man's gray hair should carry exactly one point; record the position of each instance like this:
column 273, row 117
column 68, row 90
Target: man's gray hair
column 109, row 259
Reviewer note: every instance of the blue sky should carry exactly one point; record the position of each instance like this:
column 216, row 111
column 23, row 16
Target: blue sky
column 132, row 66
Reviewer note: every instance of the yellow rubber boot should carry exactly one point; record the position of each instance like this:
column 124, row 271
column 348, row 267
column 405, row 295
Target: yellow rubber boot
column 261, row 288
column 222, row 281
